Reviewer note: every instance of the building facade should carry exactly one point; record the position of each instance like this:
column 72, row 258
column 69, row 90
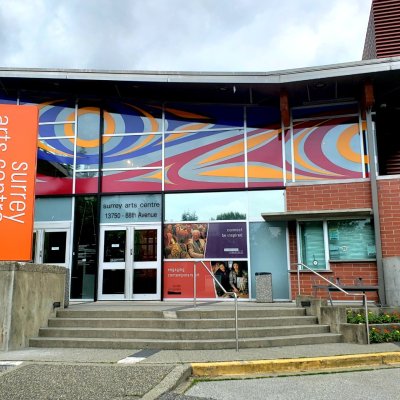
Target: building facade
column 142, row 175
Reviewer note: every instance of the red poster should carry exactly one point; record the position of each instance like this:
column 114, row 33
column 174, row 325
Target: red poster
column 179, row 282
column 18, row 149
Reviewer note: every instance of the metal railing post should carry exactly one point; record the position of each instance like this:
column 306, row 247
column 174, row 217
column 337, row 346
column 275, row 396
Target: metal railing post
column 225, row 292
column 194, row 285
column 365, row 300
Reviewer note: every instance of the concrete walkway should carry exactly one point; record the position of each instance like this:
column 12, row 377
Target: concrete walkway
column 37, row 373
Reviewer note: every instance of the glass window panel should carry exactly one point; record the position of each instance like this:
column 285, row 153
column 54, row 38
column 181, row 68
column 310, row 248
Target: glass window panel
column 145, row 281
column 87, row 142
column 34, row 247
column 132, row 118
column 48, row 209
column 205, row 206
column 263, row 201
column 145, row 245
column 57, row 130
column 264, row 157
column 312, row 244
column 54, row 247
column 262, row 117
column 327, row 149
column 57, row 152
column 54, row 167
column 132, row 151
column 137, row 180
column 204, row 160
column 179, row 117
column 325, row 110
column 4, row 99
column 351, row 240
column 114, row 246
column 114, row 281
column 268, row 251
column 85, row 248
column 87, row 182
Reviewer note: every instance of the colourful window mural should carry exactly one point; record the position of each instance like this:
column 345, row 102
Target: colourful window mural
column 176, row 147
column 325, row 149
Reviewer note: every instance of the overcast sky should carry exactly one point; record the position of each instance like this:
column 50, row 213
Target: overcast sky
column 181, row 35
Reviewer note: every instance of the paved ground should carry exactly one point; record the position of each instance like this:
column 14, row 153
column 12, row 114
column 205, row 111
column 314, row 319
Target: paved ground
column 88, row 374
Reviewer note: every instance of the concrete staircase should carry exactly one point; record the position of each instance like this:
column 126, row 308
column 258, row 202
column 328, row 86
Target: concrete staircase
column 188, row 329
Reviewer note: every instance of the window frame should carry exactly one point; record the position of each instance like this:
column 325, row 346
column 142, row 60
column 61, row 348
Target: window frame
column 325, row 230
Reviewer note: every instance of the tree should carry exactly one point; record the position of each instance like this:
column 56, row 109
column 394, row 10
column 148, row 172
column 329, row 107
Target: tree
column 189, row 216
column 231, row 215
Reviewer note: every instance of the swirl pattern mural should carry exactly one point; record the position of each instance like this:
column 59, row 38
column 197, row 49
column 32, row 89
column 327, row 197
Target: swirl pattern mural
column 187, row 147
column 325, row 149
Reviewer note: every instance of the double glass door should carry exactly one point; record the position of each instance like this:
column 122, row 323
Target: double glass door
column 130, row 262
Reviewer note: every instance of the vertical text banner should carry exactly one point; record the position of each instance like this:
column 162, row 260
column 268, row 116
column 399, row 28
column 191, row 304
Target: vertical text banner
column 18, row 149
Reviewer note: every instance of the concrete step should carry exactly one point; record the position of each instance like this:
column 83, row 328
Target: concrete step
column 178, row 334
column 184, row 314
column 216, row 344
column 118, row 323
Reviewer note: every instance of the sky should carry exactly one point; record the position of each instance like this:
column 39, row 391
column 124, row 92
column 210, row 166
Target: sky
column 181, row 35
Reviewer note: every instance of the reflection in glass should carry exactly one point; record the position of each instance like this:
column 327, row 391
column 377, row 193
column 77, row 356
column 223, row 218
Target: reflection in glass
column 113, row 281
column 351, row 240
column 53, row 209
column 87, row 182
column 114, row 246
column 133, row 151
column 312, row 244
column 85, row 248
column 145, row 281
column 88, row 142
column 34, row 247
column 56, row 130
column 54, row 247
column 206, row 206
column 145, row 245
column 263, row 201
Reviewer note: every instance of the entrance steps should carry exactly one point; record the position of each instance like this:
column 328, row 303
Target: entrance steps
column 187, row 329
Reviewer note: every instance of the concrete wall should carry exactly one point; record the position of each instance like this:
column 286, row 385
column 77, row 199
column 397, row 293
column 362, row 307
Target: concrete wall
column 27, row 294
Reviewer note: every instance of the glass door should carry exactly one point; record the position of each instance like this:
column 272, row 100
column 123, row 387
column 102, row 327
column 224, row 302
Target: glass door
column 51, row 246
column 130, row 263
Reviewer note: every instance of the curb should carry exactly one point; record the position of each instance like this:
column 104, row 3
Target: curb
column 174, row 378
column 293, row 364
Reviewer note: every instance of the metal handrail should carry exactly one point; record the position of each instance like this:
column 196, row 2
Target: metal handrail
column 225, row 292
column 337, row 287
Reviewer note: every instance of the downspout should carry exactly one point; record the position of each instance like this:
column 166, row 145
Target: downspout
column 375, row 201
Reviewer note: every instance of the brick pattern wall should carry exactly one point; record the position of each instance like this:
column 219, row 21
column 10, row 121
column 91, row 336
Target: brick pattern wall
column 348, row 274
column 330, row 197
column 389, row 210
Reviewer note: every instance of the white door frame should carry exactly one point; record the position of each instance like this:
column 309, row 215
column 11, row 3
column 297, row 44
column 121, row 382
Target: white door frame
column 129, row 265
column 40, row 228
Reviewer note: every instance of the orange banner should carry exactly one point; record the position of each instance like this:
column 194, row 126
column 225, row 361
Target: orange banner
column 18, row 149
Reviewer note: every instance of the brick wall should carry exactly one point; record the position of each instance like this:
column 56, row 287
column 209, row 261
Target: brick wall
column 329, row 197
column 389, row 210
